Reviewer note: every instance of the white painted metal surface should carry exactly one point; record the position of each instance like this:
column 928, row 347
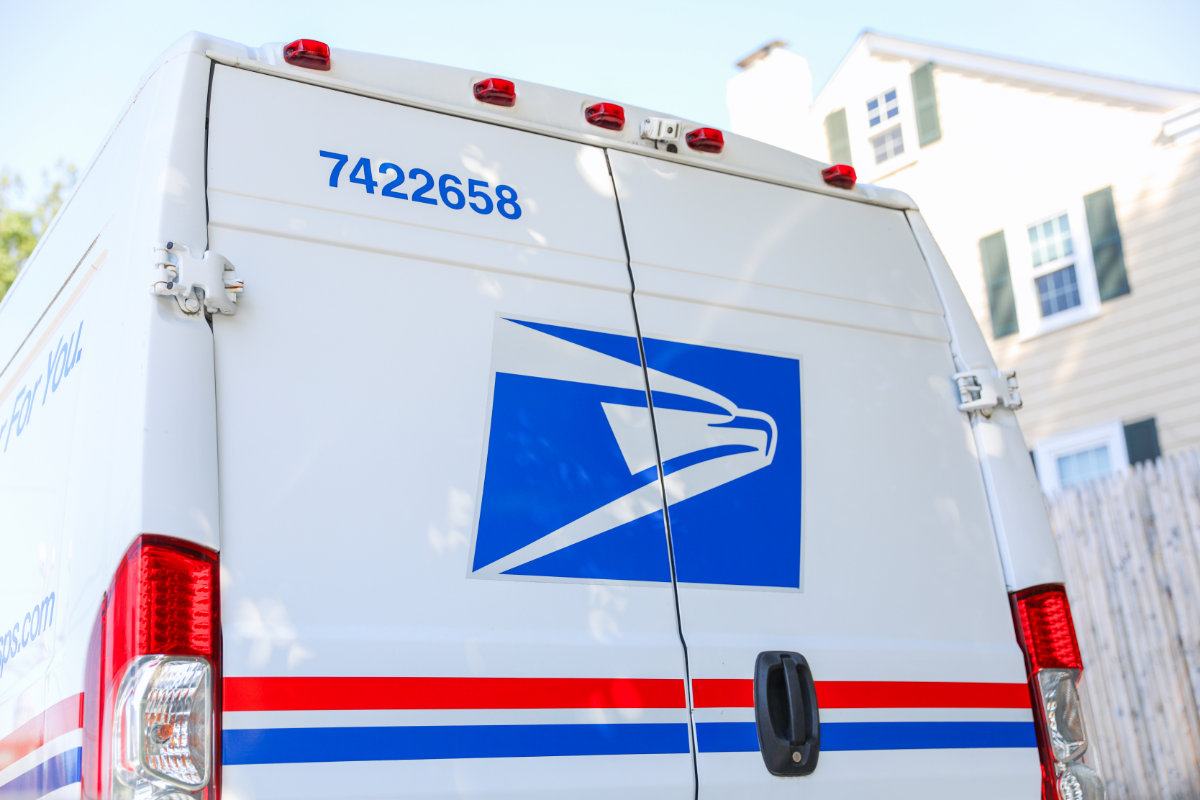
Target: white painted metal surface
column 118, row 431
column 903, row 587
column 425, row 450
column 353, row 393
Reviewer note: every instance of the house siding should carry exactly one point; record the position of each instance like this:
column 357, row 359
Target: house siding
column 1141, row 356
column 1011, row 154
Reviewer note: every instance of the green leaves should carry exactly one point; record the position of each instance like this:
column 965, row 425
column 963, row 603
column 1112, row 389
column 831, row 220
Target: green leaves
column 20, row 224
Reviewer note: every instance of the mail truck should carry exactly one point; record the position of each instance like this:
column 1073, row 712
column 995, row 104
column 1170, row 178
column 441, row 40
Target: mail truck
column 372, row 429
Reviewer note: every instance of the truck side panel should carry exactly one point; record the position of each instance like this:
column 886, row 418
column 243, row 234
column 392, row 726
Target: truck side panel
column 108, row 415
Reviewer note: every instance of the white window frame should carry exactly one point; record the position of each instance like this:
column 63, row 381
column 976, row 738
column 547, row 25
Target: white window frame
column 899, row 130
column 884, row 119
column 862, row 132
column 1024, row 276
column 1047, row 451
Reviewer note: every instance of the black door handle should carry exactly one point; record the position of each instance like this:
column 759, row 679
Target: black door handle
column 786, row 714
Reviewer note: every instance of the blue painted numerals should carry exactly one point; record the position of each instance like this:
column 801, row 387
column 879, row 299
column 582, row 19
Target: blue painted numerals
column 447, row 190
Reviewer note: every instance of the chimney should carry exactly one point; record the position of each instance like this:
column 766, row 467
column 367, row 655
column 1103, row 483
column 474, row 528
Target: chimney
column 770, row 98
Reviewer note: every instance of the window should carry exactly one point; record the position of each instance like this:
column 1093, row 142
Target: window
column 1054, row 275
column 882, row 108
column 1056, row 283
column 887, row 145
column 1085, row 465
column 1046, row 273
column 1072, row 458
column 885, row 131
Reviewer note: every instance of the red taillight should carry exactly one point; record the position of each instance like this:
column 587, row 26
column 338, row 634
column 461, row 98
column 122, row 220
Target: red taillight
column 159, row 624
column 842, row 176
column 496, row 91
column 706, row 140
column 606, row 115
column 1046, row 628
column 1046, row 633
column 307, row 53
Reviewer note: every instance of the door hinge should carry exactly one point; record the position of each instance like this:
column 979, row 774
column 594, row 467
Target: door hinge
column 206, row 282
column 983, row 390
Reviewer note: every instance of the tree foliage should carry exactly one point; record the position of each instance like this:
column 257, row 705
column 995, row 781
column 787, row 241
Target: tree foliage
column 20, row 226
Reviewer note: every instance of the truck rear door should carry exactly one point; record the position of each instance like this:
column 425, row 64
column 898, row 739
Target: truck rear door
column 828, row 519
column 414, row 403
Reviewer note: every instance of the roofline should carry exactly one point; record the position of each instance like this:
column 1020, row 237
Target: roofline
column 1154, row 96
column 543, row 109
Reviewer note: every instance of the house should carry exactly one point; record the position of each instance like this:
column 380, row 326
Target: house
column 1068, row 205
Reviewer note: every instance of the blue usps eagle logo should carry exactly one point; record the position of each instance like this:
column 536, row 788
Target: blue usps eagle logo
column 571, row 485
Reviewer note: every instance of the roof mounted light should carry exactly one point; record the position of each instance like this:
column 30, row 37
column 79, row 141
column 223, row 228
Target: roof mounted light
column 609, row 116
column 705, row 140
column 308, row 53
column 841, row 176
column 497, row 92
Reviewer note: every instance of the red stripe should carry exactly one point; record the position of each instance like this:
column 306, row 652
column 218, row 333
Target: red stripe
column 739, row 693
column 326, row 694
column 62, row 717
column 723, row 693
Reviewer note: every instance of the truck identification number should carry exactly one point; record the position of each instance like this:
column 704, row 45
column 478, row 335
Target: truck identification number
column 449, row 188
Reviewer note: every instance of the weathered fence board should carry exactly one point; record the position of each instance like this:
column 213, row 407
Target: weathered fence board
column 1130, row 547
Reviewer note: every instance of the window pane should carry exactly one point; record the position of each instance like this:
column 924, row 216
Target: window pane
column 1058, row 291
column 1086, row 465
column 884, row 106
column 887, row 145
column 1050, row 241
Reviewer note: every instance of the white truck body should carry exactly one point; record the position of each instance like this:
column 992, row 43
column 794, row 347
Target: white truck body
column 510, row 487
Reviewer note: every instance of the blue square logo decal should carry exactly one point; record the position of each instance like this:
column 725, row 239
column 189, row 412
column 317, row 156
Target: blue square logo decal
column 571, row 485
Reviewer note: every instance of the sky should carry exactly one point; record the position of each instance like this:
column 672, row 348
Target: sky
column 67, row 67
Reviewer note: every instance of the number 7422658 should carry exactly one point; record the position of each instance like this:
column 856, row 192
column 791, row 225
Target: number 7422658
column 447, row 189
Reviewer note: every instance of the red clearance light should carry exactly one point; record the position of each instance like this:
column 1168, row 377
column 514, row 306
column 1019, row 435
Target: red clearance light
column 497, row 92
column 307, row 53
column 841, row 176
column 606, row 115
column 1046, row 628
column 706, row 140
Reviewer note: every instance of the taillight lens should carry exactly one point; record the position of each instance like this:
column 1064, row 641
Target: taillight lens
column 308, row 53
column 1052, row 661
column 153, row 675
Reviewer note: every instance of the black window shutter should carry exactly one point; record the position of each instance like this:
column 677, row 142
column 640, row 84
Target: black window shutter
column 929, row 126
column 994, row 254
column 838, row 134
column 1141, row 440
column 1106, row 244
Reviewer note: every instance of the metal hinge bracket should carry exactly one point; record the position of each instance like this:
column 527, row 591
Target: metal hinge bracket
column 983, row 390
column 198, row 283
column 662, row 130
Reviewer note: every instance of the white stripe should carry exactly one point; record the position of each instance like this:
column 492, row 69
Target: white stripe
column 68, row 741
column 387, row 717
column 883, row 715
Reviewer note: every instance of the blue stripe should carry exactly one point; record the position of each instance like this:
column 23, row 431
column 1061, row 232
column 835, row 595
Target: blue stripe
column 742, row 737
column 58, row 771
column 307, row 745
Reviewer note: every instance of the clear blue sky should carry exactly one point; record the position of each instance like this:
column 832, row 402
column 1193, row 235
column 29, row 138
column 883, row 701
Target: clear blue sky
column 68, row 66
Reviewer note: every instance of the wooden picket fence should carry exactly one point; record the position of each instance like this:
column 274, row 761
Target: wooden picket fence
column 1130, row 547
